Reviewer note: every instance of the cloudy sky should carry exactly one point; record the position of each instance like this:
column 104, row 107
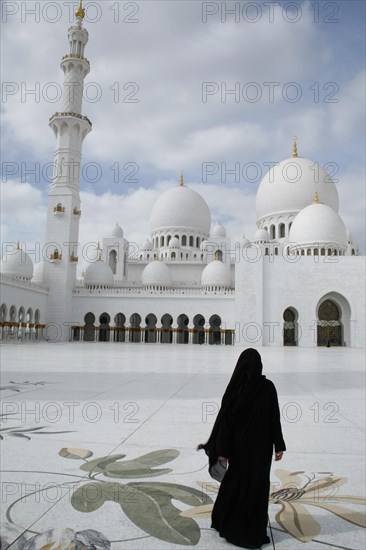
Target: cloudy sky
column 158, row 97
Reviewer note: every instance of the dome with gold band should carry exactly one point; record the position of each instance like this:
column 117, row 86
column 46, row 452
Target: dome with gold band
column 289, row 186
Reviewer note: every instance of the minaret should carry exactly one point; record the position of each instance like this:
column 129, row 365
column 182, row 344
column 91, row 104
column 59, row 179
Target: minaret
column 61, row 244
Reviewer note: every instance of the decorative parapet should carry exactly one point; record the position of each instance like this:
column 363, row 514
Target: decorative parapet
column 76, row 56
column 81, row 290
column 74, row 258
column 77, row 212
column 75, row 115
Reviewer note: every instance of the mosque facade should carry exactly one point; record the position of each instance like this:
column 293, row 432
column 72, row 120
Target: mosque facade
column 298, row 282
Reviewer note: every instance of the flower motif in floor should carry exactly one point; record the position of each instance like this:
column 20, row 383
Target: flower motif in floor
column 298, row 490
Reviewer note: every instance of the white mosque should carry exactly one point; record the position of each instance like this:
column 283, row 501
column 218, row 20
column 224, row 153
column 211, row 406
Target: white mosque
column 299, row 282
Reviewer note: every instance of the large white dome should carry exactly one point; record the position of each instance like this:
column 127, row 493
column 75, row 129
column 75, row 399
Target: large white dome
column 180, row 207
column 98, row 273
column 17, row 265
column 216, row 273
column 290, row 186
column 156, row 273
column 318, row 223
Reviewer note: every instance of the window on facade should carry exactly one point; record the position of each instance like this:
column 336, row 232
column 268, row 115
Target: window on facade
column 276, row 251
column 322, row 252
column 197, row 242
column 162, row 241
column 316, row 252
column 113, row 261
column 190, row 241
column 184, row 240
column 282, row 230
column 273, row 232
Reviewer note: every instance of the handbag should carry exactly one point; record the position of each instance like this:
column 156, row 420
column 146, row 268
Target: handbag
column 218, row 470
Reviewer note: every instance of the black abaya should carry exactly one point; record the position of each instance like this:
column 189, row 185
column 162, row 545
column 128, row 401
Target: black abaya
column 246, row 429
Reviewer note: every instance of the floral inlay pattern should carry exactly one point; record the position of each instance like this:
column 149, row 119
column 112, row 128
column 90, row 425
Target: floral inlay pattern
column 296, row 491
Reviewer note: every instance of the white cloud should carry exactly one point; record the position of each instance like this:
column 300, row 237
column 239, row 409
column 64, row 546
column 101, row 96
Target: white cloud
column 169, row 53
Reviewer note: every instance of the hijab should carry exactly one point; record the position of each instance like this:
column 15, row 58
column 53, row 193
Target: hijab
column 239, row 397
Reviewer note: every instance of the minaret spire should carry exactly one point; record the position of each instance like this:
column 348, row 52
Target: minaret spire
column 80, row 12
column 294, row 151
column 70, row 127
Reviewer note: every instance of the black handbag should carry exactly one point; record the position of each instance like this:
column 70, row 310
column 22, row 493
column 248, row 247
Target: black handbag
column 218, row 470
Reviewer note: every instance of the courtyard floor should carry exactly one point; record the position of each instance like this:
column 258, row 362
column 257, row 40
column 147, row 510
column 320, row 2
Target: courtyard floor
column 98, row 444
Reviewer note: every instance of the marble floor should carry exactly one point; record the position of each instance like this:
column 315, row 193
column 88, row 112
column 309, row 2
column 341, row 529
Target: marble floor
column 98, row 446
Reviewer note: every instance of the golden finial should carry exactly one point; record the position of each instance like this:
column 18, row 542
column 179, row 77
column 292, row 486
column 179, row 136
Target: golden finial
column 294, row 151
column 98, row 246
column 181, row 181
column 316, row 198
column 80, row 12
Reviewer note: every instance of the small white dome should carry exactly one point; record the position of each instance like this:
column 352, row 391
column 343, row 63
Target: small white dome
column 290, row 186
column 156, row 273
column 117, row 232
column 318, row 223
column 216, row 273
column 148, row 245
column 219, row 231
column 244, row 241
column 174, row 243
column 38, row 272
column 98, row 273
column 17, row 265
column 261, row 235
column 180, row 207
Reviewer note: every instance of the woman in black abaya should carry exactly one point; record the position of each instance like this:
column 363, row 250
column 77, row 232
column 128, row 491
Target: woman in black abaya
column 247, row 428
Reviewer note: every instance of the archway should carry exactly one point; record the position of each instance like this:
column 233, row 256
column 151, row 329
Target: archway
column 135, row 328
column 29, row 322
column 89, row 328
column 104, row 321
column 183, row 333
column 290, row 327
column 215, row 330
column 119, row 330
column 329, row 329
column 3, row 314
column 166, row 329
column 199, row 329
column 150, row 331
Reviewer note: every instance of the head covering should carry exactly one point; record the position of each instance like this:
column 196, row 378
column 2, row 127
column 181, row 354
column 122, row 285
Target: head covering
column 245, row 383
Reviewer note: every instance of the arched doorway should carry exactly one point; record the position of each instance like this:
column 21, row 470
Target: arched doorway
column 135, row 328
column 3, row 314
column 89, row 328
column 198, row 330
column 113, row 261
column 290, row 327
column 329, row 329
column 214, row 336
column 29, row 331
column 150, row 331
column 104, row 321
column 119, row 329
column 166, row 329
column 183, row 333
